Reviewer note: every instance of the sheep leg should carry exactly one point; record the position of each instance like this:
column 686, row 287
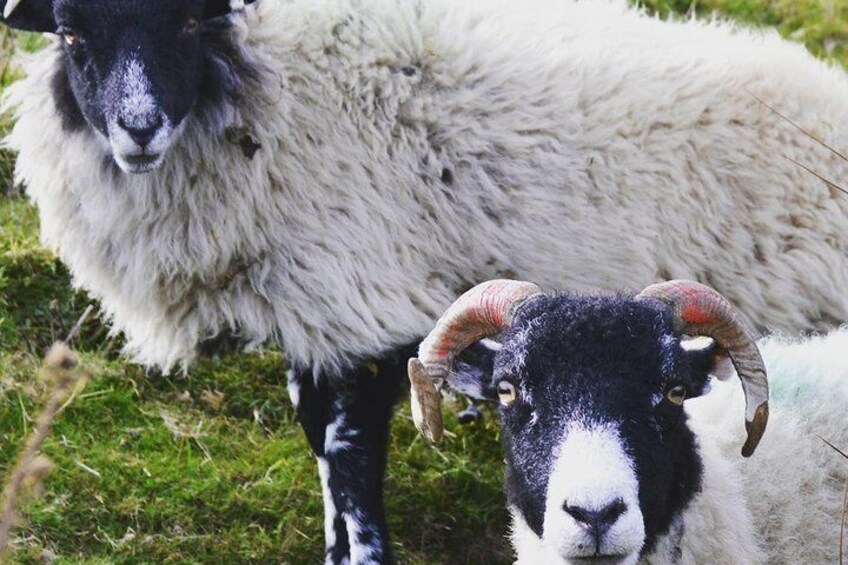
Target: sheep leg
column 346, row 421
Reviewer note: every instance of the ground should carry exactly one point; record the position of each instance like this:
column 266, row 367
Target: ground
column 211, row 467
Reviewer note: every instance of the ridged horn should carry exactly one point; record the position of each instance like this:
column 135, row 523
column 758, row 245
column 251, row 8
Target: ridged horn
column 484, row 311
column 701, row 311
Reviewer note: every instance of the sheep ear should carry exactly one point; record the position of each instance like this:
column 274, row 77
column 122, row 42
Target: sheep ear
column 29, row 15
column 472, row 371
column 707, row 359
column 218, row 8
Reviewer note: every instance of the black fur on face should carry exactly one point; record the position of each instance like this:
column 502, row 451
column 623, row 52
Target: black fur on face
column 133, row 71
column 589, row 361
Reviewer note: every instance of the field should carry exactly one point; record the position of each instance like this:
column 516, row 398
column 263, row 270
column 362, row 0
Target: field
column 211, row 467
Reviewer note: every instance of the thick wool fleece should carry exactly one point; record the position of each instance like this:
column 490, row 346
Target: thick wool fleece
column 783, row 504
column 409, row 149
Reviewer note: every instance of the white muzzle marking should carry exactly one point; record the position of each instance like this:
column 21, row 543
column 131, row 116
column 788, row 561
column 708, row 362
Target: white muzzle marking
column 137, row 110
column 592, row 472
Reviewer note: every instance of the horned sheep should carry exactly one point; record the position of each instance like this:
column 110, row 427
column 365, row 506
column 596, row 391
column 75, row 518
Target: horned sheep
column 617, row 452
column 331, row 174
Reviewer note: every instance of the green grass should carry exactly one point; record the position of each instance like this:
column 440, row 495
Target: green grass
column 822, row 25
column 179, row 479
column 147, row 470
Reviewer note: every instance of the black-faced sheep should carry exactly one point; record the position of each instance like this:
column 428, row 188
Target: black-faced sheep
column 333, row 173
column 605, row 462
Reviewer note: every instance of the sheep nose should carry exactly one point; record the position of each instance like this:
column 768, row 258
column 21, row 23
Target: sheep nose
column 598, row 522
column 143, row 134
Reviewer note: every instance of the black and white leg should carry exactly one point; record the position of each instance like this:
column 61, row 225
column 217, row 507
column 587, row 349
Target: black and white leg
column 346, row 421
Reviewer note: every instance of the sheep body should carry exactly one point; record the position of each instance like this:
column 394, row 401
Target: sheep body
column 410, row 149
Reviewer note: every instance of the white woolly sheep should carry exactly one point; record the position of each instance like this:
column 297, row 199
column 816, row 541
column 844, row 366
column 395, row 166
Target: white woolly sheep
column 332, row 173
column 604, row 463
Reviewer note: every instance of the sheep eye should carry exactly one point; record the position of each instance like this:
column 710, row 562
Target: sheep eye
column 507, row 393
column 191, row 27
column 676, row 395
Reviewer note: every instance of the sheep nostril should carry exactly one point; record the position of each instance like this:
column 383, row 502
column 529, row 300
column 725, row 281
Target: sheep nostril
column 581, row 515
column 597, row 520
column 142, row 135
column 611, row 513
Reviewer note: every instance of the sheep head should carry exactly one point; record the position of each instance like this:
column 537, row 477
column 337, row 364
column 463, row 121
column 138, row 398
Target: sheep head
column 133, row 72
column 600, row 460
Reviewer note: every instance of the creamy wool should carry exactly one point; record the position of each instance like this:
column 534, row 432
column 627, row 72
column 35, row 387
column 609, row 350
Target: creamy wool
column 783, row 504
column 409, row 149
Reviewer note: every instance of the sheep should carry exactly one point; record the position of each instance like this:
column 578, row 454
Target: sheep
column 331, row 174
column 615, row 453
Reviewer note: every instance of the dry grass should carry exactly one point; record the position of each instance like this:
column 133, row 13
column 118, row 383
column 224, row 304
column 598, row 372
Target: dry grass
column 62, row 380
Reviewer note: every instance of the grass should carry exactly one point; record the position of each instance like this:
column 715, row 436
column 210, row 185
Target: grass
column 148, row 468
column 211, row 467
column 822, row 25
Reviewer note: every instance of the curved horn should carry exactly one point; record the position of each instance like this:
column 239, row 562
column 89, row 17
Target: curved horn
column 483, row 311
column 700, row 310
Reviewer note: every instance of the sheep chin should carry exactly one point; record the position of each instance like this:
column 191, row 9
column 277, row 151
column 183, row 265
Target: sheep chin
column 630, row 559
column 138, row 165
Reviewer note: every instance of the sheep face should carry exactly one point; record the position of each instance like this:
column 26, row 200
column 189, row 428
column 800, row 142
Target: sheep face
column 599, row 457
column 132, row 71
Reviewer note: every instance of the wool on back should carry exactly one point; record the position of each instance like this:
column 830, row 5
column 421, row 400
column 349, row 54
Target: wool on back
column 408, row 150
